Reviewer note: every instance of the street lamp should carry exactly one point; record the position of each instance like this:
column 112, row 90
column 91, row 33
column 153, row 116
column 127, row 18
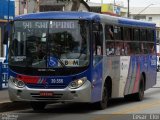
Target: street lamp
column 143, row 9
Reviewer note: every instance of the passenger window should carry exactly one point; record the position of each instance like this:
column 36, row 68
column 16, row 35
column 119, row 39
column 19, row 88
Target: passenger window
column 109, row 40
column 136, row 35
column 150, row 35
column 127, row 34
column 109, row 32
column 97, row 45
column 118, row 33
column 142, row 35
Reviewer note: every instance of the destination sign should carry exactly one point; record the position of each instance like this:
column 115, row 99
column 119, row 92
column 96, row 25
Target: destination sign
column 63, row 24
column 39, row 24
column 44, row 24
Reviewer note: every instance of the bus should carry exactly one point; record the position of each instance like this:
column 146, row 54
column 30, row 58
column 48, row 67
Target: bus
column 80, row 57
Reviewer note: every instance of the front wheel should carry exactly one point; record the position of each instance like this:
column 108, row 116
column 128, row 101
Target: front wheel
column 104, row 102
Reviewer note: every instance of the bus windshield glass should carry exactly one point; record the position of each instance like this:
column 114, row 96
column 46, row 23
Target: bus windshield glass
column 49, row 44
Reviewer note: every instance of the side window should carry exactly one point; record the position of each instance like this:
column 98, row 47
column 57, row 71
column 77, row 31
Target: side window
column 97, row 44
column 136, row 41
column 127, row 35
column 109, row 40
column 136, row 35
column 109, row 32
column 143, row 36
column 150, row 40
column 118, row 33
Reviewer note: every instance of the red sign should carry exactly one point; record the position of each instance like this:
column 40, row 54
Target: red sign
column 47, row 94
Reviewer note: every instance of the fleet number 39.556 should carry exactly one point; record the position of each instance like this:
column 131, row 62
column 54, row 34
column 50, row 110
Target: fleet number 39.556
column 57, row 81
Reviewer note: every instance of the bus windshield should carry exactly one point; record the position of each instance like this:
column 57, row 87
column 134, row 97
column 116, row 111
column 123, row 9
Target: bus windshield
column 49, row 44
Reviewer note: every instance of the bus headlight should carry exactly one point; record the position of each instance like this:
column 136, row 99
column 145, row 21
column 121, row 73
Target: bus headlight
column 17, row 83
column 77, row 83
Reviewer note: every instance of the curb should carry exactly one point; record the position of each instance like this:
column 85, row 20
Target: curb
column 10, row 106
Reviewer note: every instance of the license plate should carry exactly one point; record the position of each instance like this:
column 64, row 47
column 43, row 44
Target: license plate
column 47, row 94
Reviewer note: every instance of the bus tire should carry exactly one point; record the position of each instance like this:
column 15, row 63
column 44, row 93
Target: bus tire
column 140, row 95
column 38, row 106
column 101, row 105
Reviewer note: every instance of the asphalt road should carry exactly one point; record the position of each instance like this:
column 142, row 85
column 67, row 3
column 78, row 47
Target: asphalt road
column 118, row 109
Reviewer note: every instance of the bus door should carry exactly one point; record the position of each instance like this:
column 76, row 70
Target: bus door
column 97, row 55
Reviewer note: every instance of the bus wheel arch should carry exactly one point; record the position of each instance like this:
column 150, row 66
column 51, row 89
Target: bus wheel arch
column 106, row 94
column 140, row 94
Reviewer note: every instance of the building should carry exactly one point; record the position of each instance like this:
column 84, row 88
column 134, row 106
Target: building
column 116, row 10
column 151, row 14
column 32, row 6
column 6, row 7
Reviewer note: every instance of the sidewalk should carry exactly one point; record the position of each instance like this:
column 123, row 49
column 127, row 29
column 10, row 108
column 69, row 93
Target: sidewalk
column 4, row 97
column 6, row 105
column 158, row 84
column 158, row 80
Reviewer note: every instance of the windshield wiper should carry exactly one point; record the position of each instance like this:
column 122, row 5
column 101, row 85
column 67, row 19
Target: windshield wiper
column 60, row 61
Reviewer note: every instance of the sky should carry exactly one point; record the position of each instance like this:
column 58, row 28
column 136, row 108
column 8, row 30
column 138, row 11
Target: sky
column 133, row 3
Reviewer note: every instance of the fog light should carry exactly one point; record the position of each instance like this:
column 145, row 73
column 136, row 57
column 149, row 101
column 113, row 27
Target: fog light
column 20, row 84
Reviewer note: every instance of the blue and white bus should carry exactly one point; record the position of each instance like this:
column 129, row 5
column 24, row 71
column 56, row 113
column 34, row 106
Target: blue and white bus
column 80, row 57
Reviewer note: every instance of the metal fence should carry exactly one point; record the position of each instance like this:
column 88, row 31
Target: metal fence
column 4, row 75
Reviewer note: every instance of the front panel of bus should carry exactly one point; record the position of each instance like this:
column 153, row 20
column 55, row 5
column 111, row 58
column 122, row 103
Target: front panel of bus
column 50, row 60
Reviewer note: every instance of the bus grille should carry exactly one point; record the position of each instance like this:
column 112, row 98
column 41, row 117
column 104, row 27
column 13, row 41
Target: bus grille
column 42, row 86
column 54, row 97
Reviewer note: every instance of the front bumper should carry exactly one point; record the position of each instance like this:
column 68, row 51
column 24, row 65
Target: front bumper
column 81, row 94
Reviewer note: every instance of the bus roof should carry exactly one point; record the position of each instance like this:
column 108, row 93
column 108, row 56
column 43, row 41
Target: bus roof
column 60, row 15
column 85, row 16
column 135, row 23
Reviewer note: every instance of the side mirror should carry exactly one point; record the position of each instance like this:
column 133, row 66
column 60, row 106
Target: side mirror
column 5, row 38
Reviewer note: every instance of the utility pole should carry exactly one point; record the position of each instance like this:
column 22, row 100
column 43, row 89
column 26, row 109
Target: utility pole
column 128, row 15
column 8, row 29
column 114, row 6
